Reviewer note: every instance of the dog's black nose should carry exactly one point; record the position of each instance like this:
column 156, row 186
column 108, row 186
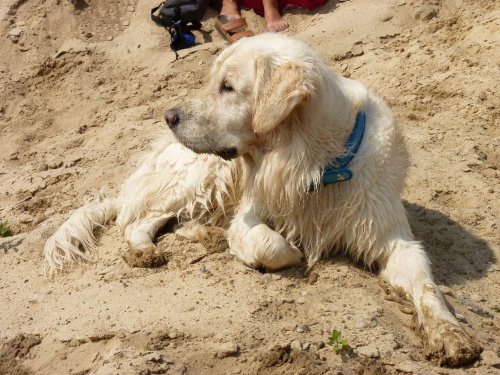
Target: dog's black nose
column 172, row 118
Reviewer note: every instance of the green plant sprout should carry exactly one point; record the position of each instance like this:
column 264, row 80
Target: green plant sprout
column 337, row 342
column 496, row 309
column 5, row 229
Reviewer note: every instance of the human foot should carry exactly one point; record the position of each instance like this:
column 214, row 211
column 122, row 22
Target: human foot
column 275, row 22
column 230, row 8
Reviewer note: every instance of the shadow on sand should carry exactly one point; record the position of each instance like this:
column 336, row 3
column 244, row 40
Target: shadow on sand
column 456, row 254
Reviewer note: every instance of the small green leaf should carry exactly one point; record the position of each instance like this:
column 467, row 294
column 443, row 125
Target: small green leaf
column 5, row 229
column 336, row 336
column 336, row 342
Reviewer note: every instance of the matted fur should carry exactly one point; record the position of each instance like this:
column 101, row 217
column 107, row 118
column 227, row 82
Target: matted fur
column 282, row 116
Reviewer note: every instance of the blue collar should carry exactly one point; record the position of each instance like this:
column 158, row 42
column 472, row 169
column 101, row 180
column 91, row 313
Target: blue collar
column 337, row 171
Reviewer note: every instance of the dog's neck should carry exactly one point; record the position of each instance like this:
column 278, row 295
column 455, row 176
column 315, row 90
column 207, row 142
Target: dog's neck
column 348, row 98
column 330, row 115
column 324, row 124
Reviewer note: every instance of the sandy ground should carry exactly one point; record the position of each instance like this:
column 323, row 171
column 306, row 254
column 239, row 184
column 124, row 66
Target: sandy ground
column 82, row 92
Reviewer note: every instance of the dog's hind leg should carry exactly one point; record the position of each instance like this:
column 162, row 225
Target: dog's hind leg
column 257, row 245
column 406, row 267
column 140, row 236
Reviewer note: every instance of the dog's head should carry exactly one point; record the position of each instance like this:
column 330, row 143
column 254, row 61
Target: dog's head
column 255, row 86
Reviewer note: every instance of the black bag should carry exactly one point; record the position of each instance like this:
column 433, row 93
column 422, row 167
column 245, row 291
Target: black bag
column 172, row 11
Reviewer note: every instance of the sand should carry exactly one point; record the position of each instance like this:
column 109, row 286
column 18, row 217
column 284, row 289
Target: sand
column 82, row 94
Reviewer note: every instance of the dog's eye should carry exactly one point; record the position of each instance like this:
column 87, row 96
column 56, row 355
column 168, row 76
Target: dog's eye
column 226, row 87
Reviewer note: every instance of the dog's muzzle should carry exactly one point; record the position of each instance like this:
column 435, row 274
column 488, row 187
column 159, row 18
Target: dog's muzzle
column 172, row 117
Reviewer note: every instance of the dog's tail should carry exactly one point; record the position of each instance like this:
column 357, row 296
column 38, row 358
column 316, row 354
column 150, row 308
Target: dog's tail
column 74, row 240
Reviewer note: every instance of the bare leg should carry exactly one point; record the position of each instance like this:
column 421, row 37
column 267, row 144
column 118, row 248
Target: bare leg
column 275, row 21
column 230, row 8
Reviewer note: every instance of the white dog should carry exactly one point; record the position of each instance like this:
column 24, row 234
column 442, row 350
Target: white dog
column 293, row 161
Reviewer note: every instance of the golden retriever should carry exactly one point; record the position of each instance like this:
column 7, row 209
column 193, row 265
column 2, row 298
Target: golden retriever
column 251, row 155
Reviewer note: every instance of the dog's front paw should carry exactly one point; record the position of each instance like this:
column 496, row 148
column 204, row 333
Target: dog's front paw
column 273, row 251
column 450, row 345
column 145, row 257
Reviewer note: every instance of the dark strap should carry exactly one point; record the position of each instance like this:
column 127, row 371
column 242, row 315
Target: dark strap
column 231, row 25
column 158, row 20
column 195, row 24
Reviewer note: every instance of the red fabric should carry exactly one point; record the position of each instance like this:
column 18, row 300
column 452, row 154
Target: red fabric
column 258, row 7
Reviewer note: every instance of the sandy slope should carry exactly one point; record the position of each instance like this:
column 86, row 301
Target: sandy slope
column 81, row 95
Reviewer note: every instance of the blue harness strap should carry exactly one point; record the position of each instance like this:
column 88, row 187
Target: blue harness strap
column 337, row 171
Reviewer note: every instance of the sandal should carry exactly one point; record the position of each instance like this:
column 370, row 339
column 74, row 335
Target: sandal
column 232, row 29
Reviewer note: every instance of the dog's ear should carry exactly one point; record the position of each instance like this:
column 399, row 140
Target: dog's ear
column 277, row 91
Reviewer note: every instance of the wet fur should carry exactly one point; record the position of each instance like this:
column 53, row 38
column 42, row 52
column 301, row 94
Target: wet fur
column 284, row 115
